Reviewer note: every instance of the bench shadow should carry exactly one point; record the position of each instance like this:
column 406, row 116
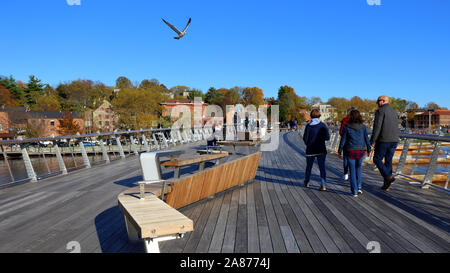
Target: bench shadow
column 112, row 234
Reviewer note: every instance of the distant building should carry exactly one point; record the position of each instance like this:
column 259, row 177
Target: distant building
column 14, row 121
column 170, row 108
column 438, row 118
column 101, row 119
column 306, row 115
column 327, row 112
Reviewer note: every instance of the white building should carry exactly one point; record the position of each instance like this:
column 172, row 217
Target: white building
column 327, row 112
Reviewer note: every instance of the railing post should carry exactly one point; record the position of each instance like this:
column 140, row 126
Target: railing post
column 104, row 152
column 62, row 166
column 133, row 145
column 5, row 157
column 119, row 145
column 26, row 160
column 335, row 142
column 428, row 179
column 403, row 155
column 84, row 155
column 144, row 140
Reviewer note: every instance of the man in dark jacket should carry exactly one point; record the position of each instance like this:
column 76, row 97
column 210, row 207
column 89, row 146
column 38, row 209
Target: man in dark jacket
column 385, row 136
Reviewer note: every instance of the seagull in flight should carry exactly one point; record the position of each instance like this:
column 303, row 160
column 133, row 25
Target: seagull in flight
column 180, row 33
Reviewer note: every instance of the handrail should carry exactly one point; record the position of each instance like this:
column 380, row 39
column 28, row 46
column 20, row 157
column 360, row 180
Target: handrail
column 405, row 141
column 160, row 138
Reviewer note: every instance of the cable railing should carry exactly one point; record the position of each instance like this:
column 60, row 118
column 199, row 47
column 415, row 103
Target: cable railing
column 413, row 150
column 85, row 150
column 62, row 154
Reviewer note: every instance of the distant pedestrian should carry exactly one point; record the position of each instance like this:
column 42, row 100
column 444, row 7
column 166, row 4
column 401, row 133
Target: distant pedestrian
column 354, row 145
column 315, row 135
column 385, row 135
column 343, row 122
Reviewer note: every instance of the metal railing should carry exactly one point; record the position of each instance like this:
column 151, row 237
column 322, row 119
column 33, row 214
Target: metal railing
column 102, row 147
column 434, row 143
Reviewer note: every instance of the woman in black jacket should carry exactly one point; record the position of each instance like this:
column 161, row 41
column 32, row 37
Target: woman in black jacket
column 315, row 135
column 355, row 143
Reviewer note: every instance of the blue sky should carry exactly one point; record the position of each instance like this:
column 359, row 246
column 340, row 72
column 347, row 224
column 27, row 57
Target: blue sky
column 321, row 48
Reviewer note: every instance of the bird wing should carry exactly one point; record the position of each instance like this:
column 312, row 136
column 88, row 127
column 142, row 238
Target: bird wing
column 189, row 22
column 172, row 27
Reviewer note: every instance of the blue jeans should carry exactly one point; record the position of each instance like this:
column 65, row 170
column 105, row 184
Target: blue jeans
column 309, row 165
column 384, row 150
column 355, row 174
column 345, row 160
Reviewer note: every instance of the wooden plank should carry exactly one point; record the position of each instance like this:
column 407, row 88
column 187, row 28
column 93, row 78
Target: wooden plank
column 274, row 228
column 219, row 231
column 263, row 228
column 241, row 244
column 193, row 160
column 230, row 230
column 208, row 231
column 252, row 223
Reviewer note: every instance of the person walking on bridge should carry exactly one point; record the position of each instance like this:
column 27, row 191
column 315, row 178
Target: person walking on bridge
column 315, row 135
column 345, row 159
column 354, row 143
column 385, row 136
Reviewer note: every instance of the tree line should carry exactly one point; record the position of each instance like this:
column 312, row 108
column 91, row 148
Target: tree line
column 138, row 104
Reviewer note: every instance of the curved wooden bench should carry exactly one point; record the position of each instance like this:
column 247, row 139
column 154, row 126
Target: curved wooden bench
column 149, row 218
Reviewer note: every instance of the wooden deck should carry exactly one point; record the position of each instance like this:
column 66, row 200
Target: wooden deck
column 273, row 213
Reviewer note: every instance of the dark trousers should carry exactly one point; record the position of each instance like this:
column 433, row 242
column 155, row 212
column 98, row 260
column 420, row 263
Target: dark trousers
column 309, row 164
column 384, row 150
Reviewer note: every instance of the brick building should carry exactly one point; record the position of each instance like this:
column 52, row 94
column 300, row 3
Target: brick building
column 438, row 118
column 14, row 121
column 101, row 119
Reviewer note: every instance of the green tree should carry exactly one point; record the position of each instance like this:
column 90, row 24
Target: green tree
column 290, row 105
column 213, row 96
column 123, row 83
column 33, row 90
column 196, row 93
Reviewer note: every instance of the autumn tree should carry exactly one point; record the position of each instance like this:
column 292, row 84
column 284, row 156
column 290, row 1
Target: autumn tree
column 81, row 94
column 290, row 105
column 13, row 87
column 6, row 98
column 253, row 95
column 138, row 108
column 67, row 124
column 47, row 103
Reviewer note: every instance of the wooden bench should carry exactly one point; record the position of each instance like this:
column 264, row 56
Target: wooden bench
column 149, row 218
column 201, row 159
column 247, row 143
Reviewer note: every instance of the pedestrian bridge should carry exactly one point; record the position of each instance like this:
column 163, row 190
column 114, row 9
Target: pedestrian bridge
column 274, row 213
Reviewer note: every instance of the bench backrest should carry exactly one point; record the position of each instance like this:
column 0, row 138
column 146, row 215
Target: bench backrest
column 192, row 188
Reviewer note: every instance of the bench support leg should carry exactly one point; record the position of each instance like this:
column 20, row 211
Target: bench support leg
column 132, row 232
column 176, row 172
column 152, row 244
